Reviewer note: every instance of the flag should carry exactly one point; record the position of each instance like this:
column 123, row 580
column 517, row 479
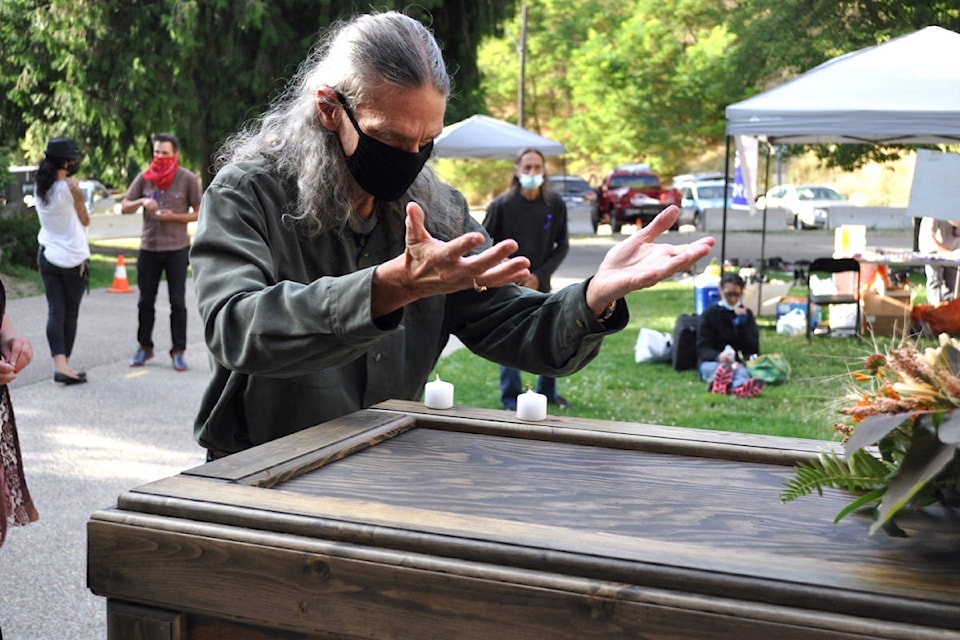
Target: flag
column 745, row 173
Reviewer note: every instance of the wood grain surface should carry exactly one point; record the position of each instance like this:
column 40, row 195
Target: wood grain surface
column 616, row 528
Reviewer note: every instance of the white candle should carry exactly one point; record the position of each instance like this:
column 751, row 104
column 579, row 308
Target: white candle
column 438, row 394
column 531, row 405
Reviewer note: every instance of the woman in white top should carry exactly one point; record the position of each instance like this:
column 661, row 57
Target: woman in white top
column 64, row 256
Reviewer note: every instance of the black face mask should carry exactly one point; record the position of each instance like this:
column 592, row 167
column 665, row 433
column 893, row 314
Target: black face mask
column 72, row 167
column 383, row 171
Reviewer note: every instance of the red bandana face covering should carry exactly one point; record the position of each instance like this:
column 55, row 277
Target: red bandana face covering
column 162, row 170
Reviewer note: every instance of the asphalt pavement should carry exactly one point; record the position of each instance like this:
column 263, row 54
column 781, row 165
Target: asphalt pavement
column 84, row 445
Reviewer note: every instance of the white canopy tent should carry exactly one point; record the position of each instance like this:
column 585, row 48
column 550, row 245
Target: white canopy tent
column 905, row 91
column 481, row 136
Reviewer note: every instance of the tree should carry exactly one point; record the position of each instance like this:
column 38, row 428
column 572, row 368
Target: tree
column 619, row 81
column 111, row 73
column 555, row 31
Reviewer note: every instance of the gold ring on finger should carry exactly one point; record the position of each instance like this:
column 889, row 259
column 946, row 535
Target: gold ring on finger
column 479, row 288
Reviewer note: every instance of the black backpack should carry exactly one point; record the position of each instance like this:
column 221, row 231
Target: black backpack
column 685, row 342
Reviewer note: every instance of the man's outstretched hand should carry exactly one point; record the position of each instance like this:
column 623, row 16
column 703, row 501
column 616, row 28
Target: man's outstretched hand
column 638, row 262
column 430, row 267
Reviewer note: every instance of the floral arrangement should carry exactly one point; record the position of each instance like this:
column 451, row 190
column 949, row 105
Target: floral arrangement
column 900, row 443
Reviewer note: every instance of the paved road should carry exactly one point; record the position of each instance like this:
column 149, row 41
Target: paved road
column 85, row 445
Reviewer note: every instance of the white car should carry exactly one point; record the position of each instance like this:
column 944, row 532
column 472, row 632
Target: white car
column 97, row 197
column 807, row 205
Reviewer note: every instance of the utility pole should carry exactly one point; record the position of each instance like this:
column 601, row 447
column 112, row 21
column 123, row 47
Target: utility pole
column 523, row 64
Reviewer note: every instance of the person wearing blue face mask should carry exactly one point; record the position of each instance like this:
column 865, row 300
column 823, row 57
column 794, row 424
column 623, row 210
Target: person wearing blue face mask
column 536, row 218
column 726, row 337
column 332, row 265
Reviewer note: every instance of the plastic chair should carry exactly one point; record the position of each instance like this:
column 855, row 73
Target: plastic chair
column 831, row 266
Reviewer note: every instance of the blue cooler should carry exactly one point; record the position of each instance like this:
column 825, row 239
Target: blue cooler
column 704, row 296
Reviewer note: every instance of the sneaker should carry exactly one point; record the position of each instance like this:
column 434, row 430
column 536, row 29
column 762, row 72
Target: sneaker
column 179, row 363
column 560, row 402
column 141, row 356
column 722, row 380
column 749, row 389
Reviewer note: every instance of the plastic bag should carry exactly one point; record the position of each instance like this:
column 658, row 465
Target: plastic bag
column 792, row 323
column 822, row 286
column 653, row 346
column 772, row 368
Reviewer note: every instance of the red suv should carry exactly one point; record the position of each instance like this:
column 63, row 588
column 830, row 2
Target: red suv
column 633, row 194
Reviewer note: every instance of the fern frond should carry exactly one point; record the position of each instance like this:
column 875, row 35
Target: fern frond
column 867, row 498
column 859, row 472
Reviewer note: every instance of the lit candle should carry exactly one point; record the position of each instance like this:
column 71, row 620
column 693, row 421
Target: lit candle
column 531, row 405
column 438, row 394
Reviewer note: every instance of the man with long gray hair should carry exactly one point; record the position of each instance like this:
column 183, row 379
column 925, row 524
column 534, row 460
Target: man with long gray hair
column 331, row 265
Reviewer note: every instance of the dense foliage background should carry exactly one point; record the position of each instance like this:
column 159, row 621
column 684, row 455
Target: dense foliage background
column 615, row 80
column 111, row 73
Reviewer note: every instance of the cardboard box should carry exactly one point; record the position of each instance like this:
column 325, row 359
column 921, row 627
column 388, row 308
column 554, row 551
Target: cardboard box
column 887, row 314
column 763, row 299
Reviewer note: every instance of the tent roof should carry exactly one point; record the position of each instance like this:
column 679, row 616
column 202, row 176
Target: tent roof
column 904, row 91
column 481, row 136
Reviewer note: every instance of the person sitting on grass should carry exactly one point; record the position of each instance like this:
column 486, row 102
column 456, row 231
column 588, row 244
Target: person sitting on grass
column 726, row 336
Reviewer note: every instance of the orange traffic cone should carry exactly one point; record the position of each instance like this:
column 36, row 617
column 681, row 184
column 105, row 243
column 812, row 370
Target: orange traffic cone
column 120, row 283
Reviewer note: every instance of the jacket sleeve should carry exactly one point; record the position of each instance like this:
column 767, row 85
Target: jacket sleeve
column 561, row 241
column 261, row 314
column 748, row 336
column 549, row 334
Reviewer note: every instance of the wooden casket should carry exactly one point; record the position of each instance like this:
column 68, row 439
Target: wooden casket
column 405, row 522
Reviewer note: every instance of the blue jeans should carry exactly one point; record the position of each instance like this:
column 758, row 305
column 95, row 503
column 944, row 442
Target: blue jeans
column 708, row 369
column 511, row 386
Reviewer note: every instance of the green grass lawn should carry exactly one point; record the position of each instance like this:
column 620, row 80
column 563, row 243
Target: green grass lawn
column 615, row 387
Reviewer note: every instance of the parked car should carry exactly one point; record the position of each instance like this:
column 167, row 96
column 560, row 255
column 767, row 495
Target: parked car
column 808, row 206
column 577, row 194
column 97, row 197
column 699, row 195
column 633, row 194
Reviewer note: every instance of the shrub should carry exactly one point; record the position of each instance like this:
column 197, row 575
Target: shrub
column 18, row 240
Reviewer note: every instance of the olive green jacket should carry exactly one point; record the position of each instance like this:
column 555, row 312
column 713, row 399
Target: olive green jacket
column 287, row 318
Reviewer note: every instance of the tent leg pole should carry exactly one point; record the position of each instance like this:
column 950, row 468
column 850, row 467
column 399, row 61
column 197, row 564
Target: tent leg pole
column 763, row 233
column 726, row 196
